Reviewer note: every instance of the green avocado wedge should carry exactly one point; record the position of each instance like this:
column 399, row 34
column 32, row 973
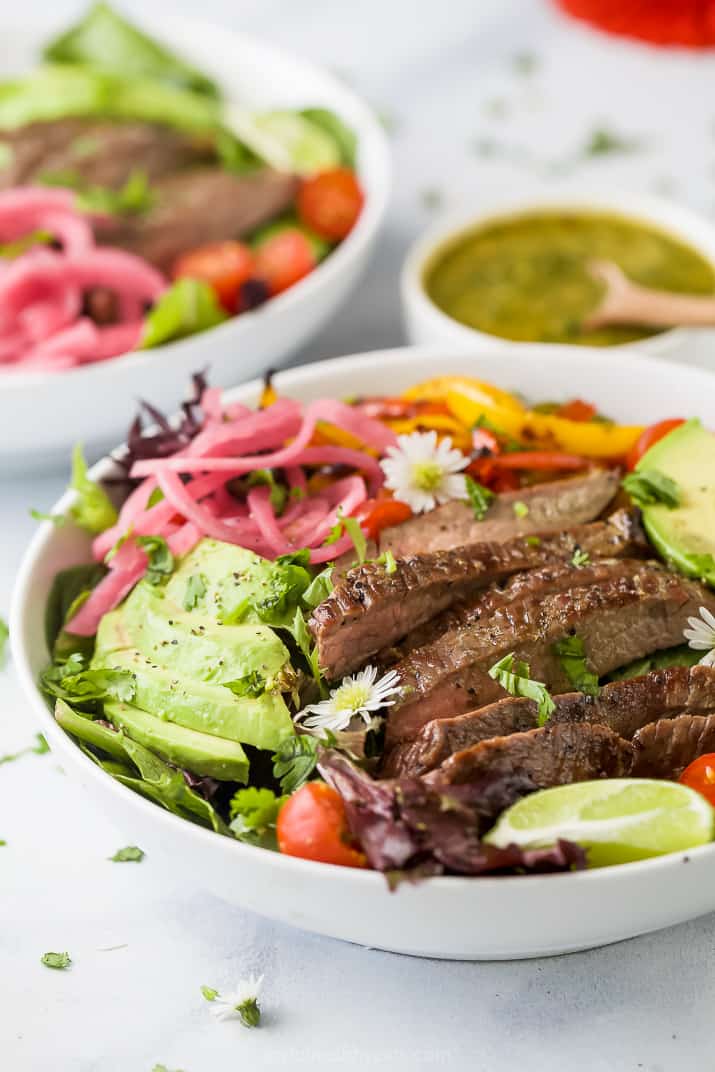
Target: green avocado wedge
column 262, row 721
column 202, row 754
column 685, row 535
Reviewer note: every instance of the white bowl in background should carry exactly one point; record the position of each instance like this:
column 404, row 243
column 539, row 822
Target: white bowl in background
column 42, row 414
column 425, row 322
column 462, row 918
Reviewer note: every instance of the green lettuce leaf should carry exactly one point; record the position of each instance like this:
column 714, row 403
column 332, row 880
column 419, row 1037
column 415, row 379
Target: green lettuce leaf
column 186, row 308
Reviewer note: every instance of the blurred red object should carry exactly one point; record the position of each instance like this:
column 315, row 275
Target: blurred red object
column 662, row 22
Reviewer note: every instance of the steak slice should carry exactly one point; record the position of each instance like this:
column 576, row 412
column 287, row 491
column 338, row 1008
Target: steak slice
column 541, row 581
column 623, row 706
column 539, row 759
column 666, row 747
column 551, row 507
column 370, row 608
column 100, row 152
column 201, row 205
column 643, row 610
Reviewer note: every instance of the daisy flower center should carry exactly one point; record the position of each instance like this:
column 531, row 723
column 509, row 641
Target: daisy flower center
column 351, row 697
column 427, row 475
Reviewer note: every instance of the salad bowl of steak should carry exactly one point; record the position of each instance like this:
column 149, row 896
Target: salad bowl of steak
column 593, row 615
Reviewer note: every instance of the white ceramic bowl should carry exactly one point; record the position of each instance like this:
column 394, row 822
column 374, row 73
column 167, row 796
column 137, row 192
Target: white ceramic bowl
column 425, row 322
column 465, row 918
column 41, row 415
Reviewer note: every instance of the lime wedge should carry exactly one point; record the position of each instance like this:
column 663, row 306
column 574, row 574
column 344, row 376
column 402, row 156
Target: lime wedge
column 616, row 819
column 285, row 140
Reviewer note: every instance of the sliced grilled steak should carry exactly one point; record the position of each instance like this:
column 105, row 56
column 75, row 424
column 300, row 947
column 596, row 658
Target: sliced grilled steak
column 643, row 610
column 370, row 609
column 623, row 706
column 542, row 581
column 201, row 205
column 551, row 507
column 665, row 748
column 100, row 153
column 538, row 759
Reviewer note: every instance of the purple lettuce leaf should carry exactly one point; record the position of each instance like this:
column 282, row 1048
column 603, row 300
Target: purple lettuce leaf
column 410, row 829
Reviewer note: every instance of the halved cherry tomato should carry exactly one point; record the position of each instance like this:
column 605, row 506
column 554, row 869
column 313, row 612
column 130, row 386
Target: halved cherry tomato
column 224, row 265
column 577, row 410
column 540, row 459
column 378, row 514
column 649, row 437
column 312, row 824
column 330, row 203
column 283, row 259
column 700, row 775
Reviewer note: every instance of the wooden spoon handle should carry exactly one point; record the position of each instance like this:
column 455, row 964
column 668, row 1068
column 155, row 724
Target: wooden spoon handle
column 627, row 303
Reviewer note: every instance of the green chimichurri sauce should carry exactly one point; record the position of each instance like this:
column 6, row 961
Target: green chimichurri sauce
column 525, row 278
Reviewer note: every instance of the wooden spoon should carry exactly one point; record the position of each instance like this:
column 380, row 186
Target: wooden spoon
column 626, row 302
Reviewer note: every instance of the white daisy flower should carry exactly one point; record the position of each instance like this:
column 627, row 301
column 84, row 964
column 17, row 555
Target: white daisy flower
column 424, row 473
column 357, row 696
column 701, row 636
column 242, row 1002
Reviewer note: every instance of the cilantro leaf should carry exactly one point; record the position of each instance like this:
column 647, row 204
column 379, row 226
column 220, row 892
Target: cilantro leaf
column 161, row 560
column 209, row 993
column 520, row 509
column 87, row 685
column 319, row 589
column 196, row 588
column 129, row 854
column 93, row 510
column 39, row 749
column 351, row 527
column 513, row 676
column 60, row 961
column 254, row 813
column 572, row 656
column 533, row 541
column 580, row 558
column 56, row 519
column 250, row 685
column 4, row 634
column 294, row 761
column 480, row 497
column 649, row 486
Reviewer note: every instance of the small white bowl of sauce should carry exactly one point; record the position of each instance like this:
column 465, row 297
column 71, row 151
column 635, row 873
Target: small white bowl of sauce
column 516, row 272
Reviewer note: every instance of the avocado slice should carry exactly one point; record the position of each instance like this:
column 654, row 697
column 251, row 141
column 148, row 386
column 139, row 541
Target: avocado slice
column 685, row 535
column 202, row 754
column 262, row 721
column 191, row 642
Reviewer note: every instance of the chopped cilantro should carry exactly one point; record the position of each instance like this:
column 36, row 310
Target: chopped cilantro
column 254, row 813
column 572, row 655
column 351, row 527
column 513, row 676
column 161, row 560
column 520, row 509
column 4, row 634
column 250, row 685
column 209, row 993
column 39, row 749
column 480, row 498
column 129, row 854
column 533, row 541
column 60, row 961
column 580, row 558
column 196, row 588
column 649, row 487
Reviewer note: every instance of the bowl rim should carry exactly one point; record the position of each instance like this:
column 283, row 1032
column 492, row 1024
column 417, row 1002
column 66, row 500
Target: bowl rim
column 307, row 376
column 676, row 219
column 376, row 176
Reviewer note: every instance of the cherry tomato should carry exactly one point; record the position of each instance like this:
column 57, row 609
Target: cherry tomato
column 312, row 825
column 540, row 459
column 224, row 265
column 283, row 259
column 650, row 436
column 330, row 203
column 700, row 775
column 577, row 410
column 378, row 514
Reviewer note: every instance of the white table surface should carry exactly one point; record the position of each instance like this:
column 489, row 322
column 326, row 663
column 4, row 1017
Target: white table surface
column 439, row 71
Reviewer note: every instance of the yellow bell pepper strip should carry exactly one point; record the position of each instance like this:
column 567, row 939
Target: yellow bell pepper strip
column 327, row 434
column 538, row 431
column 437, row 389
column 441, row 423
